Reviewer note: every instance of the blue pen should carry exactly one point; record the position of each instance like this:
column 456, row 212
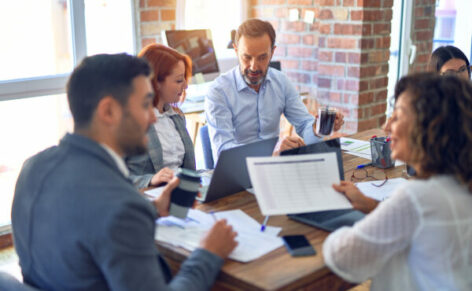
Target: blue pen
column 213, row 215
column 363, row 166
column 263, row 226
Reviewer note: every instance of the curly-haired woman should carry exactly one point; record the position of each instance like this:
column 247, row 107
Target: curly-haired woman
column 421, row 237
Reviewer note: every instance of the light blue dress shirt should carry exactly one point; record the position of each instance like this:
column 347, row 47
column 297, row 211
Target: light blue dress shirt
column 236, row 114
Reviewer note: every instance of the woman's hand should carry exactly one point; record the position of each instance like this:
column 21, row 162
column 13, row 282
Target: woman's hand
column 359, row 201
column 163, row 176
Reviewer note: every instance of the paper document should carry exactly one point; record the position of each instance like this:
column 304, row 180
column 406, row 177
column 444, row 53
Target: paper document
column 380, row 193
column 296, row 184
column 154, row 193
column 356, row 147
column 252, row 243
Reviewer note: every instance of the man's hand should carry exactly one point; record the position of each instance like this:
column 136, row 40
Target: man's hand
column 162, row 202
column 163, row 176
column 339, row 121
column 286, row 143
column 220, row 240
column 359, row 201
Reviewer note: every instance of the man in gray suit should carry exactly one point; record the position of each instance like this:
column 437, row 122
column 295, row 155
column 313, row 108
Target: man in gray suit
column 78, row 222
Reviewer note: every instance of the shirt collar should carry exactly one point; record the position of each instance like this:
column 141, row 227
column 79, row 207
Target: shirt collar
column 168, row 111
column 120, row 163
column 241, row 84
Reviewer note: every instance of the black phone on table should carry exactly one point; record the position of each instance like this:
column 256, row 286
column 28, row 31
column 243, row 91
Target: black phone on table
column 298, row 245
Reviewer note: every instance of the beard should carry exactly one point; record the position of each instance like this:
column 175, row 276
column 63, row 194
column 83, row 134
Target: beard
column 253, row 81
column 130, row 136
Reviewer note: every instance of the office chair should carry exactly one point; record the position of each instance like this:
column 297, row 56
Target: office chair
column 206, row 146
column 10, row 283
column 276, row 65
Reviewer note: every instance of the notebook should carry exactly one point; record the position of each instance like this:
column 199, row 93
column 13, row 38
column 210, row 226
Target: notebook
column 230, row 174
column 328, row 220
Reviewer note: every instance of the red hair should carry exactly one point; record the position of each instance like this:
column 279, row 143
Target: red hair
column 162, row 60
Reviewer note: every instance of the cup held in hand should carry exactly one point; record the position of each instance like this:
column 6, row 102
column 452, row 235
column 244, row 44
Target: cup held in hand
column 325, row 122
column 183, row 196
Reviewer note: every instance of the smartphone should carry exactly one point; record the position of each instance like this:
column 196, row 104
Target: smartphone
column 298, row 245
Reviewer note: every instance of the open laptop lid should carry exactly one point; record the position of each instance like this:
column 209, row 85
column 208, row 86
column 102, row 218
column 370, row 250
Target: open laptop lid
column 328, row 220
column 328, row 146
column 230, row 175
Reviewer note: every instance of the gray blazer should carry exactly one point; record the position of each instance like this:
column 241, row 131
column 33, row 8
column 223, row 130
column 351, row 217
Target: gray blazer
column 142, row 168
column 79, row 224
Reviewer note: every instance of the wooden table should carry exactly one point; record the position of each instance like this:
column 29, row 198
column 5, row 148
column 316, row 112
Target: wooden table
column 278, row 270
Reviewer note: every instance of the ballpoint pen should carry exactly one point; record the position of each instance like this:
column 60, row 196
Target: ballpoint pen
column 363, row 166
column 263, row 226
column 213, row 215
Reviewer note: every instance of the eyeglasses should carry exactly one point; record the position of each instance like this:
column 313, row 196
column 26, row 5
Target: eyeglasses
column 454, row 72
column 362, row 174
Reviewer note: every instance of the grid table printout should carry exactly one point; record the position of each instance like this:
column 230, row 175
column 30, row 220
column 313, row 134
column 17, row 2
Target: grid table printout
column 296, row 184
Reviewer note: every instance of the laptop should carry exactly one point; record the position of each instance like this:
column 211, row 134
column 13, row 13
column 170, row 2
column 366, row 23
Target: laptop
column 329, row 220
column 230, row 174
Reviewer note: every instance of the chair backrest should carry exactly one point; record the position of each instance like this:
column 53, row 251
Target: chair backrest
column 10, row 283
column 206, row 146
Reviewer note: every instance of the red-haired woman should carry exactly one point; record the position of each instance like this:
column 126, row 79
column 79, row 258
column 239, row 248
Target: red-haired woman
column 170, row 146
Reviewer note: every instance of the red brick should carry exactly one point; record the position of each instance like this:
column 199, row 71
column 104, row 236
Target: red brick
column 380, row 96
column 309, row 65
column 300, row 52
column 351, row 85
column 379, row 109
column 325, row 2
column 325, row 28
column 388, row 15
column 354, row 58
column 161, row 3
column 389, row 3
column 326, row 14
column 383, row 42
column 271, row 2
column 357, row 15
column 290, row 38
column 299, row 77
column 168, row 14
column 290, row 64
column 299, row 2
column 379, row 83
column 381, row 28
column 368, row 3
column 340, row 57
column 422, row 23
column 142, row 3
column 308, row 39
column 348, row 3
column 324, row 83
column 280, row 51
column 325, row 56
column 281, row 12
column 368, row 124
column 294, row 26
column 149, row 15
column 146, row 41
column 424, row 35
column 353, row 72
column 335, row 97
column 331, row 70
column 344, row 43
column 366, row 98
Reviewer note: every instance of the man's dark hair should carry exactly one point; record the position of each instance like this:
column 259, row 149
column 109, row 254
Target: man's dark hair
column 255, row 28
column 443, row 54
column 99, row 76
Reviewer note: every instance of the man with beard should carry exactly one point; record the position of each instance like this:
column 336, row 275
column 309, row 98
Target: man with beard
column 78, row 221
column 244, row 105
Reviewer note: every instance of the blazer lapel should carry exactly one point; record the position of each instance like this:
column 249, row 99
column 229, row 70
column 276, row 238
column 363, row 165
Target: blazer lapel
column 155, row 149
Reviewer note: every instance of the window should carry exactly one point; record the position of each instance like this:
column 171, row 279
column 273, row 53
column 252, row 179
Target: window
column 207, row 14
column 43, row 41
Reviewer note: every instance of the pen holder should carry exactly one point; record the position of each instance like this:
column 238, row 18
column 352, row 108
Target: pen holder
column 381, row 153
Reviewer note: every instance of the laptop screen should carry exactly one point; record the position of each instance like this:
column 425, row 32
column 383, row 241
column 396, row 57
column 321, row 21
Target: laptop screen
column 328, row 146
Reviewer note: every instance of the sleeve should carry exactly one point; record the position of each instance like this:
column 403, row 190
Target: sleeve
column 359, row 252
column 135, row 165
column 128, row 257
column 297, row 114
column 218, row 116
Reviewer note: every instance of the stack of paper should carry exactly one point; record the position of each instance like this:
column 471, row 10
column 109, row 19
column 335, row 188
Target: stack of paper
column 252, row 243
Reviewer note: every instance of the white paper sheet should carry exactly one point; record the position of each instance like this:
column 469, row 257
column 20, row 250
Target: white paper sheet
column 188, row 233
column 380, row 193
column 356, row 147
column 296, row 184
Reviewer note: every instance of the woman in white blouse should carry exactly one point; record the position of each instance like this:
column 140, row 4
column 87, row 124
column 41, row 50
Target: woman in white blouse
column 421, row 237
column 170, row 146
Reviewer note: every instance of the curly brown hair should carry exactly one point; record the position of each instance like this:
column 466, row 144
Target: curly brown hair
column 441, row 137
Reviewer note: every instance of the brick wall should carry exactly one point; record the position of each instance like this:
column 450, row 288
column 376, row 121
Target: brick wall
column 341, row 59
column 422, row 32
column 154, row 16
